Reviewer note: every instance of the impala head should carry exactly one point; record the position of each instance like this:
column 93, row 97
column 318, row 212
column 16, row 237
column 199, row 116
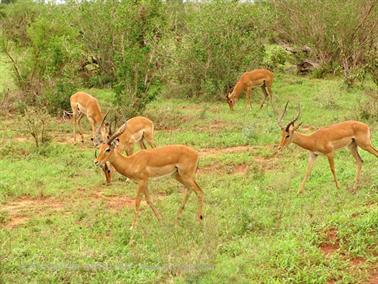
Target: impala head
column 287, row 132
column 230, row 100
column 106, row 149
column 103, row 132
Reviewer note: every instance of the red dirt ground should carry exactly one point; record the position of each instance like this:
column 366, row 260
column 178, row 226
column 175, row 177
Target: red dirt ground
column 331, row 245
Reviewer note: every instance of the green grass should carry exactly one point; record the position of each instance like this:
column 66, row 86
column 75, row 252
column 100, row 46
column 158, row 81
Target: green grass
column 256, row 230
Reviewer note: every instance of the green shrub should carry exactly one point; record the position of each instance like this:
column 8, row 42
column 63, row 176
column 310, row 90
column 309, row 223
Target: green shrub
column 275, row 56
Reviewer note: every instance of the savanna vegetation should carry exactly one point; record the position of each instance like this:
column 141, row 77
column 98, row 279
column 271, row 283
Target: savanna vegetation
column 174, row 62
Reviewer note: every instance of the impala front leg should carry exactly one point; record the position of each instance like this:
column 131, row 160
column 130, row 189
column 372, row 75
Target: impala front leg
column 137, row 203
column 248, row 94
column 310, row 164
column 108, row 173
column 80, row 128
column 149, row 202
column 93, row 125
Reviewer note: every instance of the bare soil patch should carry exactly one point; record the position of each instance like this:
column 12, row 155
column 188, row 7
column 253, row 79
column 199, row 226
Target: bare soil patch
column 19, row 211
column 236, row 149
column 373, row 276
column 213, row 126
column 114, row 202
column 331, row 245
column 241, row 169
column 357, row 261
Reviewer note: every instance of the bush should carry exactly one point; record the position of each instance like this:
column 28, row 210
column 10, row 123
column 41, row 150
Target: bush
column 221, row 41
column 341, row 36
column 36, row 122
column 57, row 97
column 275, row 56
column 368, row 109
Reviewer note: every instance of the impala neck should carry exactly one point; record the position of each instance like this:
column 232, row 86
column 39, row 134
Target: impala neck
column 303, row 141
column 237, row 90
column 120, row 163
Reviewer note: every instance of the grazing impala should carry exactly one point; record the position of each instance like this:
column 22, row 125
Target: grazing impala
column 177, row 160
column 139, row 129
column 327, row 140
column 84, row 104
column 249, row 80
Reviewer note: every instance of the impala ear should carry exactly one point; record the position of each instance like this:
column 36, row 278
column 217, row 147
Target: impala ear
column 296, row 127
column 115, row 143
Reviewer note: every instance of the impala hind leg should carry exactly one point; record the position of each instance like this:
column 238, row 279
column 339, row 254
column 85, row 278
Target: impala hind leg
column 354, row 150
column 187, row 193
column 311, row 159
column 268, row 92
column 190, row 183
column 332, row 167
column 263, row 101
column 369, row 148
column 142, row 145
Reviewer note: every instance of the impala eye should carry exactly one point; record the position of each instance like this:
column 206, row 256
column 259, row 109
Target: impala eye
column 107, row 150
column 287, row 136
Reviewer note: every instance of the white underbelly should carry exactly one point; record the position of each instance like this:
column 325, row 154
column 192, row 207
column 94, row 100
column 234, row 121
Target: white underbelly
column 82, row 109
column 136, row 137
column 156, row 172
column 341, row 143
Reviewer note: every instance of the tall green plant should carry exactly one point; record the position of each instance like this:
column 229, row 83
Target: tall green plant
column 222, row 40
column 341, row 34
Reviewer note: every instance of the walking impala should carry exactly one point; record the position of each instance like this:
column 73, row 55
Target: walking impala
column 178, row 160
column 249, row 80
column 326, row 141
column 84, row 104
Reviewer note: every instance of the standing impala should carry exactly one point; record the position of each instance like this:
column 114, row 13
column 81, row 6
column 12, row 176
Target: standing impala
column 249, row 80
column 177, row 160
column 326, row 141
column 84, row 104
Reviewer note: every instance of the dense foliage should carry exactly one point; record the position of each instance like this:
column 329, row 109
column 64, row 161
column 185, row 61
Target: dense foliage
column 145, row 48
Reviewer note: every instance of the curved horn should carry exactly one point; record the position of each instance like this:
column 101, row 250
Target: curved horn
column 102, row 123
column 298, row 115
column 103, row 119
column 279, row 121
column 117, row 133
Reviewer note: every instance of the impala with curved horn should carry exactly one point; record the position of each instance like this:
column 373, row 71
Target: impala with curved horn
column 84, row 104
column 248, row 81
column 351, row 134
column 177, row 160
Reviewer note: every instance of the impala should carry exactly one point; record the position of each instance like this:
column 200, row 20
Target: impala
column 351, row 134
column 177, row 160
column 249, row 80
column 138, row 130
column 84, row 104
